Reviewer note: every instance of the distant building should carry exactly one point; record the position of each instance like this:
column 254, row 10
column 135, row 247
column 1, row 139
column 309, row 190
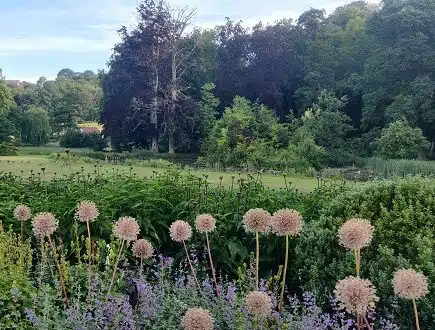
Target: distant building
column 14, row 83
column 90, row 127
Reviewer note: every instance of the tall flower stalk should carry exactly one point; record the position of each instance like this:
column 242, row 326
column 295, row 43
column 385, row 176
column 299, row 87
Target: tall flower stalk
column 87, row 212
column 205, row 223
column 44, row 225
column 412, row 285
column 126, row 229
column 22, row 213
column 257, row 221
column 286, row 222
column 355, row 234
column 180, row 231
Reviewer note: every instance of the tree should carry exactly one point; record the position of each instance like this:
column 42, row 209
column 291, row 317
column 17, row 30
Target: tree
column 207, row 110
column 400, row 140
column 327, row 123
column 6, row 99
column 179, row 21
column 35, row 128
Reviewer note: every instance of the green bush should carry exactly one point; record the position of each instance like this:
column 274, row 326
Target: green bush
column 77, row 139
column 8, row 149
column 403, row 214
column 400, row 140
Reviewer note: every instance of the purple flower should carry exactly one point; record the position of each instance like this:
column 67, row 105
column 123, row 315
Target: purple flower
column 31, row 316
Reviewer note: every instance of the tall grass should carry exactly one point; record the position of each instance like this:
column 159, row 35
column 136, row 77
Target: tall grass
column 393, row 168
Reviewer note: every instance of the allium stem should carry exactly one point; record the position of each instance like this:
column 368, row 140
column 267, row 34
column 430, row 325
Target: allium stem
column 22, row 231
column 357, row 261
column 367, row 323
column 417, row 323
column 257, row 257
column 191, row 266
column 281, row 298
column 213, row 272
column 62, row 283
column 89, row 260
column 114, row 270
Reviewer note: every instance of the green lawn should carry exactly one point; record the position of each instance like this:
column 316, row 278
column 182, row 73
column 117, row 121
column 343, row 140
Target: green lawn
column 24, row 164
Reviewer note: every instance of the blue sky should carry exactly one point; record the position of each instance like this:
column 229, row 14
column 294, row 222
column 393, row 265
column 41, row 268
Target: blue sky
column 40, row 37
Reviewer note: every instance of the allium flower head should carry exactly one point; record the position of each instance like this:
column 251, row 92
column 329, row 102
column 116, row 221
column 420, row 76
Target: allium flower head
column 44, row 224
column 257, row 220
column 355, row 233
column 205, row 223
column 126, row 228
column 197, row 319
column 286, row 222
column 258, row 303
column 22, row 213
column 180, row 231
column 86, row 211
column 356, row 295
column 142, row 249
column 410, row 284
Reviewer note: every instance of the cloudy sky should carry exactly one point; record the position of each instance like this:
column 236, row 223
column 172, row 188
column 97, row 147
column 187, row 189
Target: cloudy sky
column 40, row 37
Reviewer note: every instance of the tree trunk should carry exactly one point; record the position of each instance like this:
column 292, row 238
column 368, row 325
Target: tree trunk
column 154, row 123
column 171, row 143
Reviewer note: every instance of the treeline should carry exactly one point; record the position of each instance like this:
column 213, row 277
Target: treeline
column 333, row 82
column 34, row 112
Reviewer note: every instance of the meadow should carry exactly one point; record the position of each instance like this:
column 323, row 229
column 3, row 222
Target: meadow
column 43, row 162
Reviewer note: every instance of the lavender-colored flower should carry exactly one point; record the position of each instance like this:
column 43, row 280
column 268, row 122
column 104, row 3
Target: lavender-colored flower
column 286, row 222
column 86, row 211
column 410, row 284
column 32, row 317
column 126, row 228
column 205, row 223
column 197, row 319
column 22, row 213
column 257, row 220
column 180, row 231
column 142, row 249
column 44, row 224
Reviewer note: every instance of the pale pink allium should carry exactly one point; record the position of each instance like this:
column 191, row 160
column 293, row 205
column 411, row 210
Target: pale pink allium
column 142, row 249
column 180, row 231
column 286, row 222
column 410, row 284
column 356, row 295
column 257, row 220
column 44, row 224
column 86, row 211
column 22, row 213
column 197, row 319
column 258, row 303
column 126, row 228
column 205, row 223
column 355, row 233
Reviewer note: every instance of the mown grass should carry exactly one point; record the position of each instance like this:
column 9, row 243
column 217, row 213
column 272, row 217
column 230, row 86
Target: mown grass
column 25, row 165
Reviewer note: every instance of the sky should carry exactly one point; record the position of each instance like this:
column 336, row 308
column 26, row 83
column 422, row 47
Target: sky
column 41, row 37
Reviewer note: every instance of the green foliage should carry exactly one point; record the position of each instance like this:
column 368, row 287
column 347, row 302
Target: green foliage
column 35, row 127
column 6, row 99
column 326, row 122
column 8, row 149
column 15, row 272
column 402, row 213
column 207, row 110
column 400, row 140
column 76, row 139
column 394, row 168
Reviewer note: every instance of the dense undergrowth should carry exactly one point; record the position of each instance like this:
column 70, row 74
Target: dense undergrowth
column 402, row 212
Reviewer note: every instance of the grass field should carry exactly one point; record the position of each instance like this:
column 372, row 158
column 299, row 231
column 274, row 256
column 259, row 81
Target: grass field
column 24, row 164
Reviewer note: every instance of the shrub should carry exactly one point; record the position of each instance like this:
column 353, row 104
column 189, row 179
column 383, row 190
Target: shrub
column 400, row 140
column 77, row 139
column 8, row 149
